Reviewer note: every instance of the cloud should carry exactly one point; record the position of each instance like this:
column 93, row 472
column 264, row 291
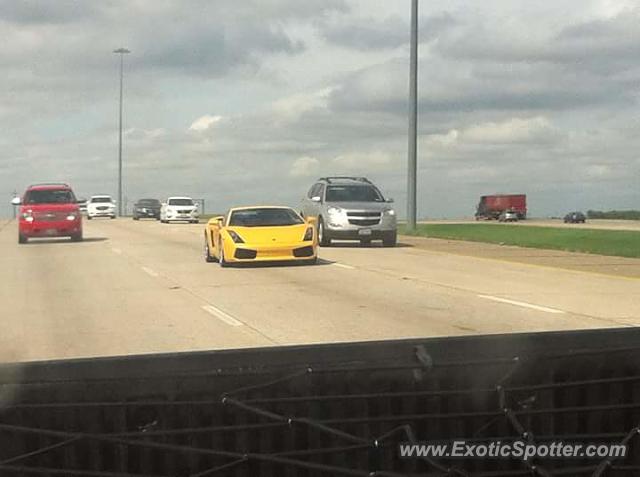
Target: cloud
column 510, row 97
column 513, row 131
column 291, row 108
column 304, row 167
column 595, row 43
column 204, row 122
column 387, row 33
column 362, row 163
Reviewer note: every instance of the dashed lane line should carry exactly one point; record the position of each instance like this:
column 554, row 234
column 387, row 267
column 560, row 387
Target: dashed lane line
column 522, row 304
column 221, row 315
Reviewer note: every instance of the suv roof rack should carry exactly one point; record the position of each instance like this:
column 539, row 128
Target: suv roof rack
column 351, row 178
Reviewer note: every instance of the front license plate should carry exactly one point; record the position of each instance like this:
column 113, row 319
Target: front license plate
column 364, row 232
column 50, row 232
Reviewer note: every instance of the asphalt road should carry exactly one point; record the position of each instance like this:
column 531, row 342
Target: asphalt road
column 143, row 287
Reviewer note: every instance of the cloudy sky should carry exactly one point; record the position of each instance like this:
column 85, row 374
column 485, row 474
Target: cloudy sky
column 249, row 101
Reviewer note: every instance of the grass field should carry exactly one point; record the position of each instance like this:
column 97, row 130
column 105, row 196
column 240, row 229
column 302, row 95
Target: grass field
column 619, row 243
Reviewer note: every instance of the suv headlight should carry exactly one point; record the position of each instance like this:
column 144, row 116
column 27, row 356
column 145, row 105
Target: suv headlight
column 390, row 212
column 27, row 216
column 334, row 210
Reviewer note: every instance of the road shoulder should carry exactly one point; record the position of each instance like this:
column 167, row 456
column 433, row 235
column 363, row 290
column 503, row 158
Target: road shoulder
column 582, row 262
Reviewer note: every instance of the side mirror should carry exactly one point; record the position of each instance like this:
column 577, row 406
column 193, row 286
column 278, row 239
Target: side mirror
column 316, row 198
column 16, row 201
column 216, row 220
column 390, row 200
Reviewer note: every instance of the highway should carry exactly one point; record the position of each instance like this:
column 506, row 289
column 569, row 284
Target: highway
column 143, row 287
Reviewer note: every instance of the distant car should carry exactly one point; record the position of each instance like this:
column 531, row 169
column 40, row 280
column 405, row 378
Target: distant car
column 48, row 210
column 260, row 234
column 101, row 206
column 182, row 209
column 575, row 218
column 508, row 216
column 147, row 209
column 82, row 205
column 350, row 208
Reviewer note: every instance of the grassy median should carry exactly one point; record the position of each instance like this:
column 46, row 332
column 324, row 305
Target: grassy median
column 620, row 243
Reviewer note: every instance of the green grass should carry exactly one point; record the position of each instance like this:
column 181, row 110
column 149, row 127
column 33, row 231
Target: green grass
column 620, row 243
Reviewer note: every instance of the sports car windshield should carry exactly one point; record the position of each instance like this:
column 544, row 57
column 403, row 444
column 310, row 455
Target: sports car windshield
column 265, row 218
column 353, row 194
column 49, row 197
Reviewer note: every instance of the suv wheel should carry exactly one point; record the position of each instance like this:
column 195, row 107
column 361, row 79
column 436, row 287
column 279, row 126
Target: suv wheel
column 390, row 239
column 323, row 240
column 76, row 237
column 22, row 239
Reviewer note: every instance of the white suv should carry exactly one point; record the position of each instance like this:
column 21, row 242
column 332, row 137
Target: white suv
column 101, row 206
column 179, row 209
column 350, row 208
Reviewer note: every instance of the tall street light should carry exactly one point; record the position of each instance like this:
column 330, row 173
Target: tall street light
column 412, row 166
column 121, row 52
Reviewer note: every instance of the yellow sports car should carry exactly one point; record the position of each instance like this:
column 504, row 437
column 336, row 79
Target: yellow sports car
column 260, row 234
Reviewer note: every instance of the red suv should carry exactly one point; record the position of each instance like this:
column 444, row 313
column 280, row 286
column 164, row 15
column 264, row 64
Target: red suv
column 49, row 210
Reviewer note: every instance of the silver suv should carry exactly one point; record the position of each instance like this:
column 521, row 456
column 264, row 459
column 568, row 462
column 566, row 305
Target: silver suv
column 350, row 208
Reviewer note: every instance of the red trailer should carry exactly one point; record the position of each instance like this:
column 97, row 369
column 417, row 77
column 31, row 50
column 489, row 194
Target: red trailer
column 491, row 206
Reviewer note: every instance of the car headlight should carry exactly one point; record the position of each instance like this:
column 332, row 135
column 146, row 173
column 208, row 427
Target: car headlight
column 308, row 235
column 390, row 212
column 334, row 210
column 235, row 237
column 71, row 217
column 27, row 216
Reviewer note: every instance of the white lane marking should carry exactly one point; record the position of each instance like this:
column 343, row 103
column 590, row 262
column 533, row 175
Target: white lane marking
column 342, row 265
column 117, row 251
column 522, row 304
column 149, row 271
column 221, row 315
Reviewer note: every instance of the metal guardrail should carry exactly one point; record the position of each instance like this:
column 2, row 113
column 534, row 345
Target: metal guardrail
column 328, row 410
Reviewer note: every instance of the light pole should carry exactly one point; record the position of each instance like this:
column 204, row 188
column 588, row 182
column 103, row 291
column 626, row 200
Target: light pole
column 121, row 52
column 412, row 166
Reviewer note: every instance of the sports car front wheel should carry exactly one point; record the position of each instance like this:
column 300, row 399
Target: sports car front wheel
column 223, row 263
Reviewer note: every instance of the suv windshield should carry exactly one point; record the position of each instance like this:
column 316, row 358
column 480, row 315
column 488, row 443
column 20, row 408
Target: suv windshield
column 149, row 202
column 353, row 193
column 95, row 200
column 180, row 202
column 265, row 218
column 49, row 196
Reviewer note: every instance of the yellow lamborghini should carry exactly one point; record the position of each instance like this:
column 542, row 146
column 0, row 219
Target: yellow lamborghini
column 260, row 234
